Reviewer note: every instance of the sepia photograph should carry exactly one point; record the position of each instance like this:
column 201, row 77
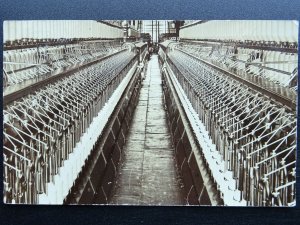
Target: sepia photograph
column 150, row 112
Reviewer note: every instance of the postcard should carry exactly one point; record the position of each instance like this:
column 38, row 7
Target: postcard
column 150, row 112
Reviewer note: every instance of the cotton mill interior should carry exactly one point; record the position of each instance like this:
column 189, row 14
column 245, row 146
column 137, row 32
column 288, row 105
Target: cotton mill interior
column 150, row 112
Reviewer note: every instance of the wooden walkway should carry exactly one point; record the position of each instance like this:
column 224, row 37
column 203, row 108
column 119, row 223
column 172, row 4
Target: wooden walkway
column 148, row 175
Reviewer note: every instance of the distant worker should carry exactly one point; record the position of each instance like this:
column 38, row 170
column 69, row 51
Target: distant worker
column 150, row 51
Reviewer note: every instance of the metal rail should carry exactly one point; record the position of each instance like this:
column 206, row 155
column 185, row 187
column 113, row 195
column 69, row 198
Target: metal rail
column 244, row 45
column 15, row 92
column 290, row 104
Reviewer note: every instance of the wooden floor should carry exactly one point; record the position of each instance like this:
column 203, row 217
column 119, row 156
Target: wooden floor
column 148, row 175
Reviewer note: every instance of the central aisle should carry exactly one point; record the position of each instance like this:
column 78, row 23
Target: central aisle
column 148, row 174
